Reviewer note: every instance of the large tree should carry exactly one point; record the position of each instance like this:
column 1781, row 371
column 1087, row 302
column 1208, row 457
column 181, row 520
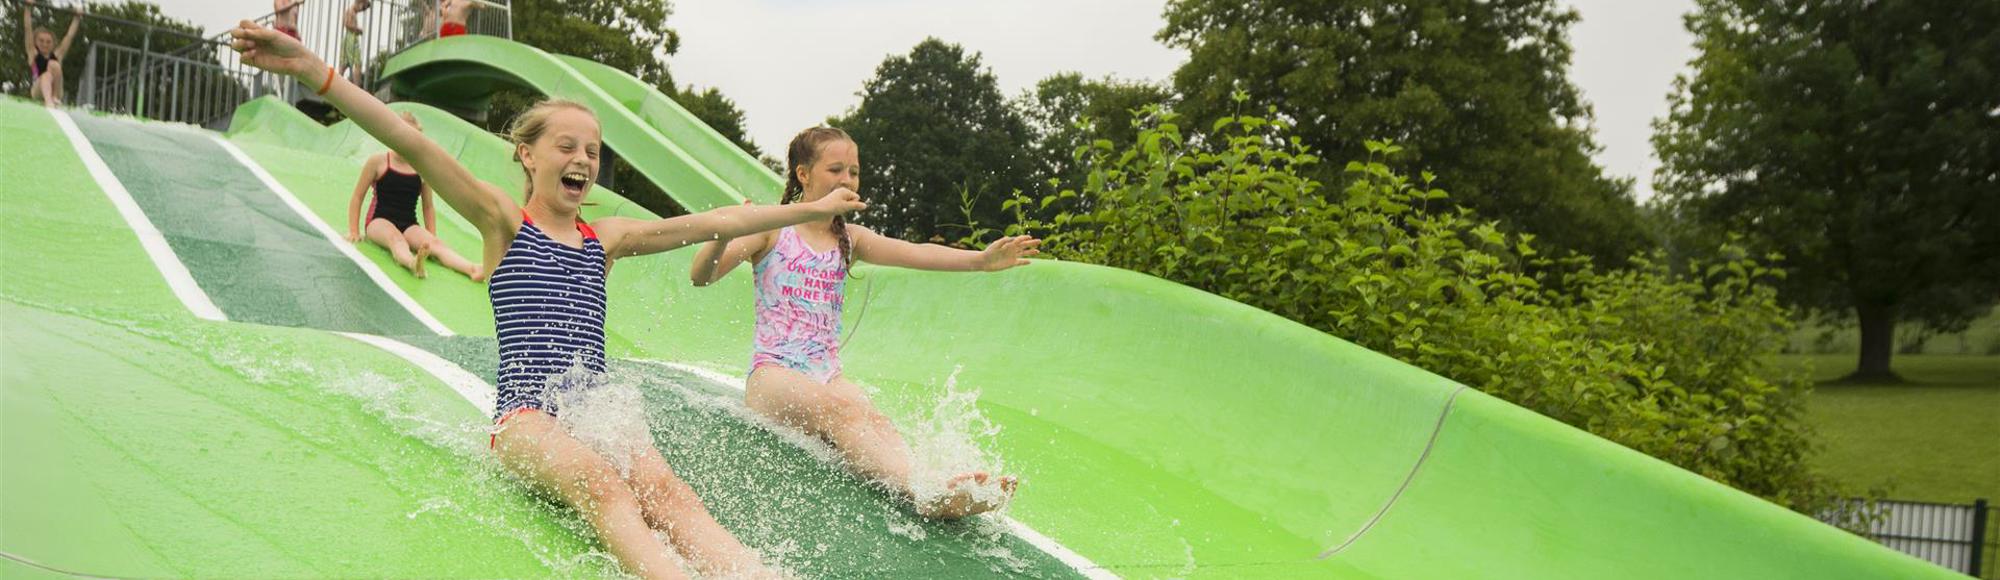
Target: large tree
column 938, row 141
column 1068, row 112
column 1861, row 139
column 1473, row 89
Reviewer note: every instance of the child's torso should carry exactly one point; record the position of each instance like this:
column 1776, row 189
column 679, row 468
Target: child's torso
column 799, row 293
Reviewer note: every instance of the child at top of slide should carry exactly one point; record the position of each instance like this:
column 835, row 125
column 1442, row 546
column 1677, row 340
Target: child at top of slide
column 391, row 220
column 350, row 42
column 548, row 269
column 795, row 377
column 456, row 13
column 285, row 16
column 45, row 72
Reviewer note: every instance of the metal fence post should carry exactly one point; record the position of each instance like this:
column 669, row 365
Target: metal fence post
column 1978, row 537
column 89, row 97
column 145, row 62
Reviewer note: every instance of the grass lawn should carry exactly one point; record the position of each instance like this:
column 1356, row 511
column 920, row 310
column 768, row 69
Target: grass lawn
column 1934, row 438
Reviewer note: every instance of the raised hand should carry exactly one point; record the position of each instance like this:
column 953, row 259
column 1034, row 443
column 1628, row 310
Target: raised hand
column 1008, row 252
column 275, row 51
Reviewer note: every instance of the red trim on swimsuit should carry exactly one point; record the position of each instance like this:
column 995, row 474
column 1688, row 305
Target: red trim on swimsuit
column 493, row 441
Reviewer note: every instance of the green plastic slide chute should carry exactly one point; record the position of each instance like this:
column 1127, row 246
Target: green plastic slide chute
column 1160, row 431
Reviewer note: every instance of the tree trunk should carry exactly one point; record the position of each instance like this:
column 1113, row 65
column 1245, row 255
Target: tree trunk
column 1878, row 343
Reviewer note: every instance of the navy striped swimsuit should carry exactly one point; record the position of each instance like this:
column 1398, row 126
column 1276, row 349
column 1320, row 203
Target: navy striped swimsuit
column 548, row 312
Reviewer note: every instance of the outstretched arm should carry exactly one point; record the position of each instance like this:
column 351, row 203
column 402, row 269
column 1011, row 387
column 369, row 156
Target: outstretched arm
column 484, row 205
column 718, row 257
column 28, row 30
column 1002, row 254
column 62, row 50
column 369, row 171
column 630, row 237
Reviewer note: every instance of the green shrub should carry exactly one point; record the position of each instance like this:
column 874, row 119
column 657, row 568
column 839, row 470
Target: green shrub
column 1664, row 360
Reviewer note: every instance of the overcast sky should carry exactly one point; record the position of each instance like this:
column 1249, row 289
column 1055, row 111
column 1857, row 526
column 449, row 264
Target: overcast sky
column 790, row 64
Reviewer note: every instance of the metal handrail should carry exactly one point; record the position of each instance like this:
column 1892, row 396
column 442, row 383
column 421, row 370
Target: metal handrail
column 165, row 87
column 111, row 19
column 120, row 79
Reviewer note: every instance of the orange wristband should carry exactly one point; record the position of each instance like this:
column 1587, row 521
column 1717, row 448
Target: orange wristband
column 328, row 85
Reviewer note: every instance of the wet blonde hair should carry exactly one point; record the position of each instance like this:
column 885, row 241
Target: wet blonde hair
column 528, row 127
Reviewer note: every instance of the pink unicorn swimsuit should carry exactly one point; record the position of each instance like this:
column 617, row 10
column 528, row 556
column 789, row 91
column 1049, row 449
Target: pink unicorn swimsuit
column 798, row 308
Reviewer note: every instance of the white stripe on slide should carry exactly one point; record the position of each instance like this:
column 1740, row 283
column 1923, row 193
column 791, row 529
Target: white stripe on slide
column 475, row 390
column 341, row 244
column 1033, row 538
column 170, row 266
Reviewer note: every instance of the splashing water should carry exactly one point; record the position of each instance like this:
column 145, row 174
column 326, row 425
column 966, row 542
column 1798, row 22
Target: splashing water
column 608, row 416
column 466, row 486
column 952, row 440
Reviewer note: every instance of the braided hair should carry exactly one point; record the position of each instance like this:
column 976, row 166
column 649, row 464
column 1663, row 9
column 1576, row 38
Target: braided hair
column 803, row 152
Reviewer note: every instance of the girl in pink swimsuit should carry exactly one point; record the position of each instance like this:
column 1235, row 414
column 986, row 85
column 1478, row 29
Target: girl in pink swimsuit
column 795, row 375
column 798, row 308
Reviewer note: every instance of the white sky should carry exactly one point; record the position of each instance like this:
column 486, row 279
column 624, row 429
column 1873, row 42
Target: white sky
column 789, row 64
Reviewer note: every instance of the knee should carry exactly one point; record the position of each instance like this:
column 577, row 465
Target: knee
column 852, row 412
column 665, row 488
column 596, row 485
column 55, row 70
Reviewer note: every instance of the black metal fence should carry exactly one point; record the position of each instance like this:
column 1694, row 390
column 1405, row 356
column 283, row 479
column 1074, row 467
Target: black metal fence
column 1961, row 537
column 203, row 81
column 129, row 81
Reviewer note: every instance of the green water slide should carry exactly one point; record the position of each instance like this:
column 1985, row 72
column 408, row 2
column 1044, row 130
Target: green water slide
column 1159, row 431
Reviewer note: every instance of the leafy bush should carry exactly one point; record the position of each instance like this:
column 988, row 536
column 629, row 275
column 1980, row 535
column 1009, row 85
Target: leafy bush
column 1665, row 360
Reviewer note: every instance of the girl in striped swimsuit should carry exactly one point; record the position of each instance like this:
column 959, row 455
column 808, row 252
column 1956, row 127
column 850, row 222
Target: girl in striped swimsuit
column 547, row 286
column 795, row 376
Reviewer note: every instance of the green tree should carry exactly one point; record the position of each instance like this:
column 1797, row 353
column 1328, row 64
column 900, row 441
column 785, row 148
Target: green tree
column 1672, row 362
column 938, row 144
column 719, row 112
column 1476, row 90
column 1861, row 140
column 628, row 35
column 1069, row 112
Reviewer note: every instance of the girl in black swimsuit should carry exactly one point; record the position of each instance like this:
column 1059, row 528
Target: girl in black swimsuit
column 391, row 220
column 45, row 56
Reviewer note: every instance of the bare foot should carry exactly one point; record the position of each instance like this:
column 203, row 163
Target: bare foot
column 960, row 501
column 423, row 255
column 476, row 275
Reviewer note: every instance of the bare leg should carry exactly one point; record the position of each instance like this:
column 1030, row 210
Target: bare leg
column 55, row 88
column 671, row 506
column 839, row 412
column 419, row 237
column 534, row 447
column 384, row 234
column 42, row 84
